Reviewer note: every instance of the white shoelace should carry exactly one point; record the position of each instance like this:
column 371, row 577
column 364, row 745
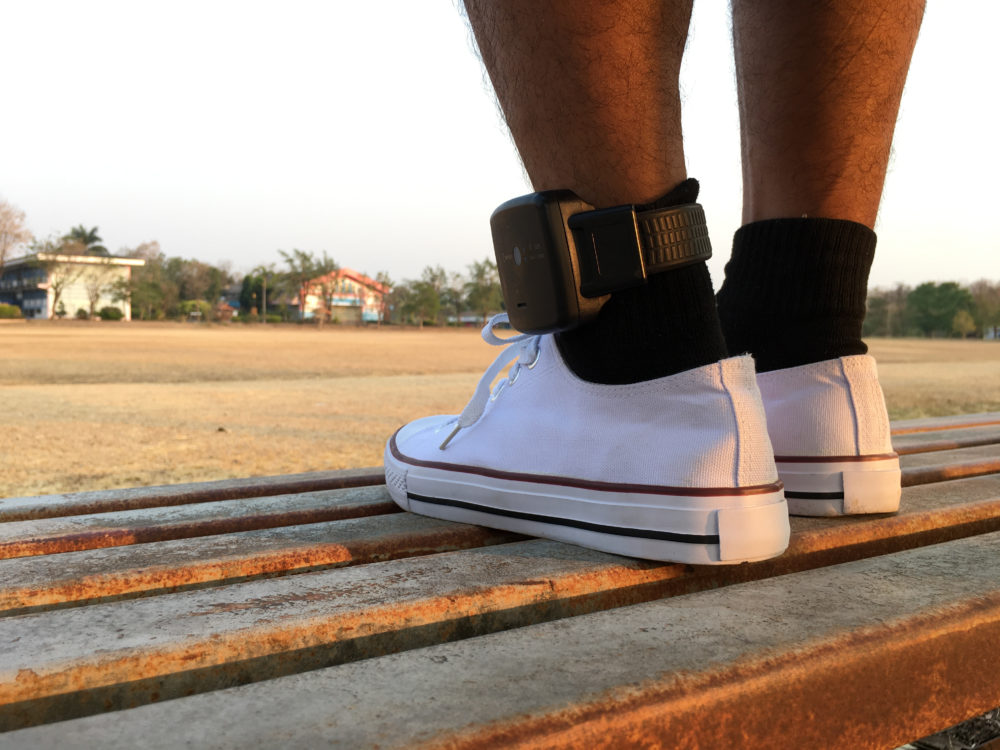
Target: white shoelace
column 523, row 347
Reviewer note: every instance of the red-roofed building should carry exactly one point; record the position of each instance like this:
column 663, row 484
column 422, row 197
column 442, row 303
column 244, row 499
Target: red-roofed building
column 345, row 296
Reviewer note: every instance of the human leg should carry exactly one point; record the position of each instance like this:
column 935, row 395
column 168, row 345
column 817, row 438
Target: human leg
column 819, row 86
column 627, row 434
column 590, row 93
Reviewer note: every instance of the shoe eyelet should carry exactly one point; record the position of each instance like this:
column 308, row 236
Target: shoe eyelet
column 515, row 373
column 534, row 360
column 497, row 389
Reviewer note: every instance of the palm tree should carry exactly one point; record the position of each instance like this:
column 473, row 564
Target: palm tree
column 86, row 239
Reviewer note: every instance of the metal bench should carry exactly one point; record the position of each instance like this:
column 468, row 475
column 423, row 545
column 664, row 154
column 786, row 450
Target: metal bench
column 308, row 610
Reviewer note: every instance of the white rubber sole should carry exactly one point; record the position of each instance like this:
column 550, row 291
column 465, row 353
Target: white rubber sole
column 706, row 527
column 841, row 486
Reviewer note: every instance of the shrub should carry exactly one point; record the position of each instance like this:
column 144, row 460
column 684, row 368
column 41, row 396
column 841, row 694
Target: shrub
column 81, row 314
column 274, row 318
column 9, row 311
column 195, row 309
column 111, row 313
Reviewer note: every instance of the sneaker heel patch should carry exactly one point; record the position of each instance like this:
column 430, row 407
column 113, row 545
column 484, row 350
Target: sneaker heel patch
column 752, row 533
column 871, row 491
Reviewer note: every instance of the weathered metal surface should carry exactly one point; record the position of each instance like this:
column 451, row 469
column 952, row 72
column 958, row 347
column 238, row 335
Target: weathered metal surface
column 58, row 662
column 103, row 501
column 201, row 640
column 198, row 640
column 862, row 655
column 930, row 424
column 929, row 515
column 164, row 567
column 939, row 466
column 942, row 440
column 55, row 535
column 78, row 532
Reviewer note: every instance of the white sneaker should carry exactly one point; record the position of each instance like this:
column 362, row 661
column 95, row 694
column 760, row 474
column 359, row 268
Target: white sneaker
column 830, row 431
column 678, row 468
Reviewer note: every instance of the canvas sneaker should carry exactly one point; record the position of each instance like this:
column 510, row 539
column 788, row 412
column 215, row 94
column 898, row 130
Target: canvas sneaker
column 830, row 431
column 677, row 469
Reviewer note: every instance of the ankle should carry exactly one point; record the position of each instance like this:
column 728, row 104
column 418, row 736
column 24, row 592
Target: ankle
column 668, row 325
column 664, row 327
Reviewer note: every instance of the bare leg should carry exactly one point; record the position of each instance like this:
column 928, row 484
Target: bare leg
column 589, row 90
column 819, row 86
column 590, row 93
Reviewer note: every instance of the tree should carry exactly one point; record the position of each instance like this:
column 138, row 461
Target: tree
column 251, row 294
column 887, row 314
column 13, row 232
column 482, row 290
column 58, row 274
column 934, row 306
column 303, row 268
column 434, row 282
column 157, row 289
column 963, row 324
column 986, row 305
column 397, row 302
column 197, row 280
column 96, row 282
column 382, row 277
column 83, row 241
column 154, row 295
column 452, row 296
column 325, row 286
column 419, row 301
column 264, row 273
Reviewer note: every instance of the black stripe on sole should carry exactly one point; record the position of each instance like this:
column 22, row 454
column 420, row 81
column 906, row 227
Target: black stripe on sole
column 792, row 495
column 663, row 536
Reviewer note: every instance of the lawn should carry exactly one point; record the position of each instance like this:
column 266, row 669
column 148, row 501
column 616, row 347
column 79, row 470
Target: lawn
column 92, row 405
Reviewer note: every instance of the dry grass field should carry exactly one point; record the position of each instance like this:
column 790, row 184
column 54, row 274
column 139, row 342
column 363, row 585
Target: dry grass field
column 90, row 406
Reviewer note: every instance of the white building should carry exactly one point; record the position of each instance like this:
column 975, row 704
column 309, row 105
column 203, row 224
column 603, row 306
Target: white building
column 45, row 283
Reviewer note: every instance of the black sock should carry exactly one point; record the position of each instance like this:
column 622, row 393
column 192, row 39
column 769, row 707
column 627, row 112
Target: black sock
column 795, row 291
column 668, row 325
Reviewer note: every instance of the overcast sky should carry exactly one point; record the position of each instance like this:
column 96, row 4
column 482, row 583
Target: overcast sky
column 227, row 130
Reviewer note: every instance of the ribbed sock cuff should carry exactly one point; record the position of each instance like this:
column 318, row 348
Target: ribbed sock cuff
column 795, row 291
column 665, row 326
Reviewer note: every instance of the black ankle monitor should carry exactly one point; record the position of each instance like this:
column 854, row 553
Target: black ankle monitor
column 559, row 258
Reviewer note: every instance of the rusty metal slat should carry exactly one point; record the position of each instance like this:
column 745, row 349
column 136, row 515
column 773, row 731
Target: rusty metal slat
column 924, row 468
column 944, row 472
column 194, row 641
column 34, row 583
column 928, row 442
column 871, row 653
column 55, row 535
column 198, row 640
column 103, row 501
column 930, row 424
column 929, row 515
column 72, row 533
column 955, row 455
